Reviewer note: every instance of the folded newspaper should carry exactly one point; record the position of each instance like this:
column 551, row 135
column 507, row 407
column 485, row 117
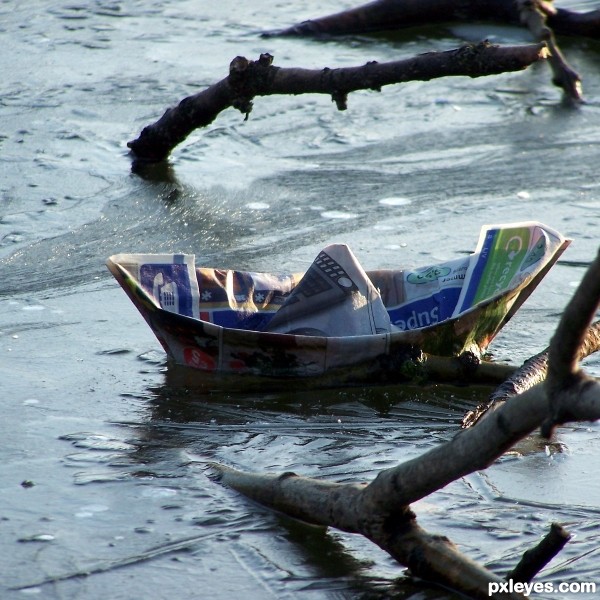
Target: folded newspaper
column 336, row 320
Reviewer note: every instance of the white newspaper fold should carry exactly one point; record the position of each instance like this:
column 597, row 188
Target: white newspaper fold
column 335, row 297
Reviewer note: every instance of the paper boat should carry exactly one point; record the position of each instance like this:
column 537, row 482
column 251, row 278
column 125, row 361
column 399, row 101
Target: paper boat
column 336, row 322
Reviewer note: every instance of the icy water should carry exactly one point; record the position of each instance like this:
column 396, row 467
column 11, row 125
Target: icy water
column 103, row 489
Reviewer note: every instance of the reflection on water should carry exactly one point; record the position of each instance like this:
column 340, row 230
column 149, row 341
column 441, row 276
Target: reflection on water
column 341, row 435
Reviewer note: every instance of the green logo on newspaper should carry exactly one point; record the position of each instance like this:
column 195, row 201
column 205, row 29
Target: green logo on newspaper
column 504, row 260
column 428, row 275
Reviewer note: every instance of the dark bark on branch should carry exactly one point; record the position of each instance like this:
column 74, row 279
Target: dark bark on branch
column 381, row 510
column 534, row 16
column 248, row 79
column 532, row 372
column 464, row 369
column 344, row 506
column 566, row 22
column 572, row 393
column 539, row 556
column 386, row 15
column 539, row 16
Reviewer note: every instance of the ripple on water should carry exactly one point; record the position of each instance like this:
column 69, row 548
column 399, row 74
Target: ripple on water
column 91, row 510
column 114, row 351
column 96, row 441
column 101, row 449
column 153, row 357
column 91, row 458
column 38, row 537
column 258, row 206
column 85, row 477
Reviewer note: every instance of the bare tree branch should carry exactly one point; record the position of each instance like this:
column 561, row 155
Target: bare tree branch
column 532, row 372
column 465, row 369
column 248, row 79
column 566, row 22
column 533, row 15
column 381, row 510
column 539, row 16
column 343, row 506
column 573, row 394
column 386, row 15
column 534, row 560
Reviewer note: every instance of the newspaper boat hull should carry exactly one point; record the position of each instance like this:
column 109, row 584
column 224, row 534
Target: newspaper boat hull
column 184, row 329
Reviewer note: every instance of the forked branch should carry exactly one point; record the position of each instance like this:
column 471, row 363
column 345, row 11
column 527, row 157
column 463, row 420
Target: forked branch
column 386, row 15
column 381, row 510
column 573, row 395
column 541, row 17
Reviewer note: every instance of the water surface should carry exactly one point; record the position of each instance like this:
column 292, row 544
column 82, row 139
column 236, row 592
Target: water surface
column 103, row 447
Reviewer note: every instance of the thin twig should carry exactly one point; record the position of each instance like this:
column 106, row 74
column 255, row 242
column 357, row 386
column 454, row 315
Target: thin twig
column 535, row 559
column 533, row 15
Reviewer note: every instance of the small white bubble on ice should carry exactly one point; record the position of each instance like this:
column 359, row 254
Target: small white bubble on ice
column 258, row 205
column 338, row 214
column 395, row 201
column 159, row 492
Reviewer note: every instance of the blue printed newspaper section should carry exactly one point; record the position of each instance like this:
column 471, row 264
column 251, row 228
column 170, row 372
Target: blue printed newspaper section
column 431, row 294
column 170, row 285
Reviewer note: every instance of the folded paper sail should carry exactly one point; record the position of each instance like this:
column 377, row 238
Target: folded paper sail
column 336, row 321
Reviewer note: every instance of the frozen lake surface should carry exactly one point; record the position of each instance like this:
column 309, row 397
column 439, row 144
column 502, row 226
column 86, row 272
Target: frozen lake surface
column 103, row 449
